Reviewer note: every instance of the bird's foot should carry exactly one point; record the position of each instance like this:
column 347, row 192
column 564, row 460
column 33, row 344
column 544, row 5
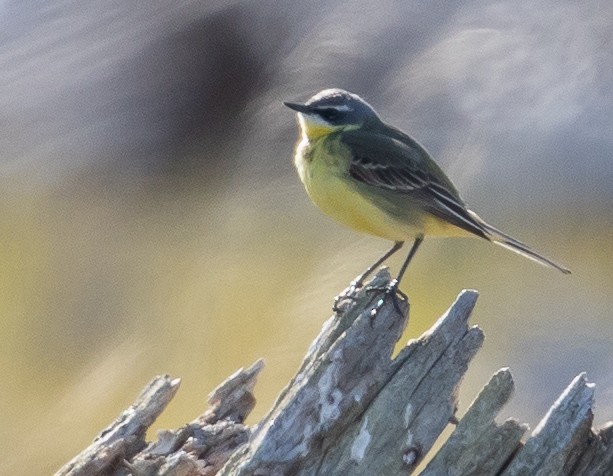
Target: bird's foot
column 349, row 294
column 391, row 290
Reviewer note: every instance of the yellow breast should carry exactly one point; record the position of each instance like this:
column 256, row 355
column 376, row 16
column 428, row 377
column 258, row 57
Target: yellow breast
column 322, row 165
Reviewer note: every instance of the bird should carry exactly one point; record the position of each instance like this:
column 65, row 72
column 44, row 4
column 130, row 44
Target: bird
column 376, row 179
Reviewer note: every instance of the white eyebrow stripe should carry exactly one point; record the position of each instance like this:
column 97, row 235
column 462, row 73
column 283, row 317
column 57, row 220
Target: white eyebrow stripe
column 340, row 108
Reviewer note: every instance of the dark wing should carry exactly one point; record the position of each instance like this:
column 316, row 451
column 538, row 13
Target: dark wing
column 395, row 162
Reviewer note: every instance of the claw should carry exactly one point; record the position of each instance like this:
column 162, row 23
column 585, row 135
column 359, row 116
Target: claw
column 390, row 290
column 341, row 297
column 347, row 294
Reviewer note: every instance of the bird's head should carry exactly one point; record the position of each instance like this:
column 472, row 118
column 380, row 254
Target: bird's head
column 331, row 110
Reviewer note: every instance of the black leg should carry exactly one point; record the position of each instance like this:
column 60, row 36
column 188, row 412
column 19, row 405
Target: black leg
column 392, row 288
column 405, row 265
column 359, row 281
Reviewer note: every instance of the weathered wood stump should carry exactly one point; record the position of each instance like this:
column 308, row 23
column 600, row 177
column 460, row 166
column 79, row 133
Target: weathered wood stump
column 352, row 409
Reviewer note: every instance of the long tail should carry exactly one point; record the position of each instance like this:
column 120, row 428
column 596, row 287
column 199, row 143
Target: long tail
column 510, row 243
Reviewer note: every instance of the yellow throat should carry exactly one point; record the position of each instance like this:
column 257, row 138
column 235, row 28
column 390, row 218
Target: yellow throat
column 312, row 128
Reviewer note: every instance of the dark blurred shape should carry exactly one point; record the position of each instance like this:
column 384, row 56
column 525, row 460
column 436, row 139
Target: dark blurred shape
column 195, row 84
column 106, row 86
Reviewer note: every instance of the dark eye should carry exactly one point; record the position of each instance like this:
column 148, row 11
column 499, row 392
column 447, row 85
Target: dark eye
column 330, row 115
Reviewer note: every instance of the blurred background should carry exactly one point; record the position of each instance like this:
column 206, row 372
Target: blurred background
column 152, row 221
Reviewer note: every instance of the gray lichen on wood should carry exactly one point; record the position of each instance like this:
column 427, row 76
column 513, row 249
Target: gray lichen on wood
column 416, row 403
column 353, row 409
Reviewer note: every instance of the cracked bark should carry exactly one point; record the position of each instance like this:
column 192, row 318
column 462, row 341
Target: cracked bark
column 353, row 409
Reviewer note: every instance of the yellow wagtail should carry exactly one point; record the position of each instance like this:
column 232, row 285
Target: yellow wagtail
column 375, row 179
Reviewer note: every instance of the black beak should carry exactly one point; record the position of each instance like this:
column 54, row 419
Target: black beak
column 299, row 107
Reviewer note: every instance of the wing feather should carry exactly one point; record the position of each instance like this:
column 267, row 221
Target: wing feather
column 397, row 170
